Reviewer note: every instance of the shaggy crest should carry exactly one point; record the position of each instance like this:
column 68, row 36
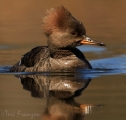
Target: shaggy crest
column 56, row 19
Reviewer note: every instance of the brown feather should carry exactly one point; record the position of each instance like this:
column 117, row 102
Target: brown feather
column 56, row 19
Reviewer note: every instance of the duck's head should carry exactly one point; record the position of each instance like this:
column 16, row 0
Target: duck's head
column 63, row 30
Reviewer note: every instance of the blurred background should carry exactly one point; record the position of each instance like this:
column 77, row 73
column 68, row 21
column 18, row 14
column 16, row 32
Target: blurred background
column 21, row 30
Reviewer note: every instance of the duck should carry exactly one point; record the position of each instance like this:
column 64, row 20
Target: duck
column 64, row 33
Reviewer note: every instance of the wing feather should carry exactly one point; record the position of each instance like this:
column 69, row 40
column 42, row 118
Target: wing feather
column 32, row 57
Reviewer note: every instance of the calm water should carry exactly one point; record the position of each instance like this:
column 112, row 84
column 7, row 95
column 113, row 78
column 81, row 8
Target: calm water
column 86, row 94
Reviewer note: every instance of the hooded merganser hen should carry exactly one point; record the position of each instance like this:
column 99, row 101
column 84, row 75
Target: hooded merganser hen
column 64, row 33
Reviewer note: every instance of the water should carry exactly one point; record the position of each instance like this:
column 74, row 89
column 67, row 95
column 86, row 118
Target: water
column 85, row 94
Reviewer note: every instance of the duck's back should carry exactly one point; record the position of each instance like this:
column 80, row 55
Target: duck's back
column 30, row 59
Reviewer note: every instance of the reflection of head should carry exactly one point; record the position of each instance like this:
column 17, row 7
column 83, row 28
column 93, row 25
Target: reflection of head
column 52, row 117
column 63, row 109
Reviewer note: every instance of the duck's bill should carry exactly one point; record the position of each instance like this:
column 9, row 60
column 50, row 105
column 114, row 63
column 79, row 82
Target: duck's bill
column 89, row 41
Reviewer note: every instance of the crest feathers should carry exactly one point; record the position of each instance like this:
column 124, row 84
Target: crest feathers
column 55, row 19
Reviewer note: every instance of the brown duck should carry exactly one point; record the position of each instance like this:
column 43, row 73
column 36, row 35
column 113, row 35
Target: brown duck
column 64, row 33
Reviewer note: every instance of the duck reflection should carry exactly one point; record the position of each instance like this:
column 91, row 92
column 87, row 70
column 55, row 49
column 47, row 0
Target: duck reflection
column 60, row 91
column 60, row 85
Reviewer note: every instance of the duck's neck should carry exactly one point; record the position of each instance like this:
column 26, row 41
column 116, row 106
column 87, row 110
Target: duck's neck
column 59, row 53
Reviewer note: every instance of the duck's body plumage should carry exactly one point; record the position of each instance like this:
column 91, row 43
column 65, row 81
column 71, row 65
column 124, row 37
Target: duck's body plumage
column 39, row 59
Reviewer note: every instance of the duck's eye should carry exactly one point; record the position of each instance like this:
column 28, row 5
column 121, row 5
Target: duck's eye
column 73, row 32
